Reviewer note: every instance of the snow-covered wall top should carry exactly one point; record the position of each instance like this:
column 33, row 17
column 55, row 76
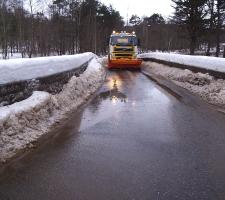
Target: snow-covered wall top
column 210, row 63
column 25, row 69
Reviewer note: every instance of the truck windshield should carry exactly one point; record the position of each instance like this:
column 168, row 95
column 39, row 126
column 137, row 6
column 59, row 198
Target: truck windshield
column 123, row 40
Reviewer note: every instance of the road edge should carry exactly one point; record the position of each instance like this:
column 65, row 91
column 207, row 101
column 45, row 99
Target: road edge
column 180, row 92
column 21, row 131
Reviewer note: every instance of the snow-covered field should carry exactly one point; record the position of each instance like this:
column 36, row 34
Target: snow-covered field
column 30, row 68
column 212, row 63
column 207, row 87
column 23, row 123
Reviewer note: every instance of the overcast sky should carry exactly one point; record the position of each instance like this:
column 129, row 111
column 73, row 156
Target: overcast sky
column 141, row 7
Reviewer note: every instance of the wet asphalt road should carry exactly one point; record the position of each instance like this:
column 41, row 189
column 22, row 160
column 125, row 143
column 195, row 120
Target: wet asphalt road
column 134, row 141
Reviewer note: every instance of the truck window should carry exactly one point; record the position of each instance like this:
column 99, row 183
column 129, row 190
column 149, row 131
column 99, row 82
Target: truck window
column 123, row 40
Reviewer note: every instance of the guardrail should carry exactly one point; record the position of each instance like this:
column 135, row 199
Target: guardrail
column 20, row 90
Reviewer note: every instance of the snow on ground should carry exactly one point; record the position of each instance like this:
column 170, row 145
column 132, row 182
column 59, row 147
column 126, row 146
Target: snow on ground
column 23, row 123
column 11, row 56
column 212, row 63
column 210, row 89
column 31, row 68
column 19, row 55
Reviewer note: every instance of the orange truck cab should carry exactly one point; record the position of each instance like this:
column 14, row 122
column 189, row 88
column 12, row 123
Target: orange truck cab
column 123, row 51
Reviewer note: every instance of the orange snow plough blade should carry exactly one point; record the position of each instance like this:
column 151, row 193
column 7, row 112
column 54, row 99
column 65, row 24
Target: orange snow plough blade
column 124, row 63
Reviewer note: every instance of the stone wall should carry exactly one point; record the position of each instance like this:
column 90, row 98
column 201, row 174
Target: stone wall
column 18, row 91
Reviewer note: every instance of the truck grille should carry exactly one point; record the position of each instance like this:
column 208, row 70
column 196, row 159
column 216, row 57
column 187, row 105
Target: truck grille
column 123, row 49
column 123, row 52
column 123, row 55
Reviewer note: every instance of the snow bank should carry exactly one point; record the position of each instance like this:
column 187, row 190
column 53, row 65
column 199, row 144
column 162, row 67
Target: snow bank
column 207, row 87
column 32, row 68
column 80, row 88
column 35, row 101
column 20, row 123
column 23, row 123
column 204, row 62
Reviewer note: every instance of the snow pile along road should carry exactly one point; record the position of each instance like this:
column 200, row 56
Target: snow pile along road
column 203, row 62
column 23, row 123
column 207, row 87
column 31, row 68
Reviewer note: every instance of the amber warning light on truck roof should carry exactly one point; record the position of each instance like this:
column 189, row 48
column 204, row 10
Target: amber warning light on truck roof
column 123, row 32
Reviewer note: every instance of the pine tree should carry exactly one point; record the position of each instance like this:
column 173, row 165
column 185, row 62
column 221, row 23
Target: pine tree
column 135, row 20
column 154, row 19
column 220, row 18
column 191, row 14
column 210, row 24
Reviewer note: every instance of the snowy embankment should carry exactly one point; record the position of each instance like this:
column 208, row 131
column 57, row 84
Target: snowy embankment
column 206, row 86
column 20, row 77
column 15, row 70
column 198, row 62
column 23, row 123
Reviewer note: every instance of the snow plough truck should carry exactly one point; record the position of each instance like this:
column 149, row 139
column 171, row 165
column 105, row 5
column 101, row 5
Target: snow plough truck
column 123, row 51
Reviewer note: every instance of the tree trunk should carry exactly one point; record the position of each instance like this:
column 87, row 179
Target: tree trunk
column 193, row 45
column 217, row 43
column 208, row 48
column 211, row 6
column 218, row 27
column 224, row 52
